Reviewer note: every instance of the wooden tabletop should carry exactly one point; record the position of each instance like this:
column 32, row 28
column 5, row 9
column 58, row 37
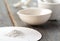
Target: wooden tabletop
column 50, row 30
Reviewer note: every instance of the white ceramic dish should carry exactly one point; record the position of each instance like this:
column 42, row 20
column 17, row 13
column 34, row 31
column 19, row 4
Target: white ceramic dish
column 28, row 34
column 54, row 5
column 34, row 16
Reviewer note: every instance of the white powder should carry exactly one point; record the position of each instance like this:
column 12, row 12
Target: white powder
column 14, row 33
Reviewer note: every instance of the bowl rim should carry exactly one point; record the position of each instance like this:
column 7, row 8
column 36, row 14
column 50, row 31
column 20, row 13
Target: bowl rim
column 19, row 12
column 48, row 3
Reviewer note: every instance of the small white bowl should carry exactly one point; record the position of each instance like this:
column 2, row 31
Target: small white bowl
column 54, row 6
column 34, row 16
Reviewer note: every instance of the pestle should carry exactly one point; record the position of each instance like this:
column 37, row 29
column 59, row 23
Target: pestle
column 21, row 3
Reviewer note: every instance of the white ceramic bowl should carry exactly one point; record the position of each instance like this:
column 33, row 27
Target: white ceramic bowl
column 54, row 6
column 34, row 16
column 26, row 34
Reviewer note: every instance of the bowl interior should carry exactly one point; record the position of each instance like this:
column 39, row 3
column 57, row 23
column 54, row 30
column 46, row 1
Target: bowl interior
column 35, row 11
